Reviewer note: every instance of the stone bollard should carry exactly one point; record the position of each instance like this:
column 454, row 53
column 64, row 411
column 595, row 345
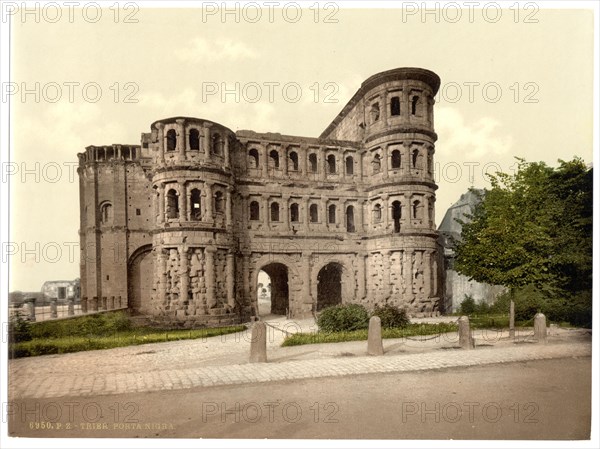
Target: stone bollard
column 54, row 308
column 30, row 308
column 110, row 305
column 70, row 307
column 84, row 304
column 94, row 304
column 465, row 339
column 375, row 344
column 258, row 343
column 540, row 332
column 103, row 303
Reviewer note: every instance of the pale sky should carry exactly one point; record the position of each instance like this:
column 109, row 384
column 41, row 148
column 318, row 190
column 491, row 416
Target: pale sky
column 171, row 57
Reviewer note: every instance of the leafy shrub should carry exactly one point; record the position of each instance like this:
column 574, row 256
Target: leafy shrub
column 19, row 329
column 468, row 306
column 343, row 317
column 391, row 316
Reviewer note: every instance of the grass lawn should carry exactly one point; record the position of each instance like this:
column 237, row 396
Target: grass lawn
column 99, row 331
column 412, row 330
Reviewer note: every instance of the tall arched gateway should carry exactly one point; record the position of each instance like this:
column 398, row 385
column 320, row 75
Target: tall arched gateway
column 329, row 286
column 280, row 299
column 140, row 279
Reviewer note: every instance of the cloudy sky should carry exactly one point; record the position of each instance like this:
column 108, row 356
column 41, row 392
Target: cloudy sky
column 512, row 85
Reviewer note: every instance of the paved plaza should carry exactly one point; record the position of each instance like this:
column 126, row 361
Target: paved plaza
column 223, row 360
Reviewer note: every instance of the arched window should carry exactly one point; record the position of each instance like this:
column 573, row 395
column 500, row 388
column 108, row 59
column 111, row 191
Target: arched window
column 274, row 211
column 350, row 219
column 430, row 211
column 396, row 159
column 415, row 208
column 294, row 213
column 414, row 105
column 395, row 106
column 396, row 215
column 312, row 162
column 219, row 202
column 314, row 213
column 374, row 112
column 377, row 212
column 331, row 214
column 294, row 161
column 195, row 205
column 254, row 210
column 331, row 163
column 415, row 158
column 172, row 204
column 253, row 158
column 217, row 144
column 274, row 155
column 194, row 139
column 106, row 213
column 171, row 140
column 349, row 165
column 376, row 164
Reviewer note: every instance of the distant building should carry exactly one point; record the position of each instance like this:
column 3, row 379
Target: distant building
column 61, row 290
column 457, row 285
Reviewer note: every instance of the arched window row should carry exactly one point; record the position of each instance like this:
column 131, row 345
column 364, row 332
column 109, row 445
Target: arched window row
column 192, row 140
column 413, row 159
column 278, row 159
column 194, row 204
column 415, row 103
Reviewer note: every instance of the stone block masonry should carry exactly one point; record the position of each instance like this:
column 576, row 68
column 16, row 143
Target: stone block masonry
column 179, row 226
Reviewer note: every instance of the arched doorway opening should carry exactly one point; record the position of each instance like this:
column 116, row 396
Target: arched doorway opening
column 273, row 290
column 329, row 286
column 140, row 280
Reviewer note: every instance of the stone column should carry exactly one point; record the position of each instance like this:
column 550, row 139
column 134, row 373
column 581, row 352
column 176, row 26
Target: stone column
column 181, row 140
column 285, row 212
column 323, row 171
column 208, row 203
column 323, row 213
column 246, row 277
column 209, row 271
column 427, row 273
column 161, row 143
column 230, row 279
column 30, row 308
column 407, row 256
column 306, row 201
column 387, row 284
column 385, row 164
column 228, row 208
column 284, row 161
column 360, row 275
column 265, row 159
column 184, row 274
column 206, row 142
column 226, row 151
column 265, row 216
column 386, row 212
column 162, row 286
column 161, row 203
column 303, row 155
column 360, row 155
column 183, row 201
column 306, row 296
column 360, row 219
column 188, row 202
column 70, row 307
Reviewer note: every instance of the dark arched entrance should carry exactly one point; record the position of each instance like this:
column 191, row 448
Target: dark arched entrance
column 280, row 302
column 140, row 279
column 329, row 286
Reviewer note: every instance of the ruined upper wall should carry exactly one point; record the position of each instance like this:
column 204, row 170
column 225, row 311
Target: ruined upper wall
column 399, row 98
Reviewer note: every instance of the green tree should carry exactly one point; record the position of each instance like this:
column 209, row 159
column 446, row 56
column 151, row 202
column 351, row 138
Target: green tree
column 533, row 227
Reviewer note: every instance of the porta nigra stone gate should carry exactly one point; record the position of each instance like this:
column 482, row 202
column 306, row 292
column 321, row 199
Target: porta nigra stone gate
column 178, row 228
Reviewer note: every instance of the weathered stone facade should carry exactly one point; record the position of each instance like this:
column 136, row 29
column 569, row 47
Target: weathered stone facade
column 180, row 226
